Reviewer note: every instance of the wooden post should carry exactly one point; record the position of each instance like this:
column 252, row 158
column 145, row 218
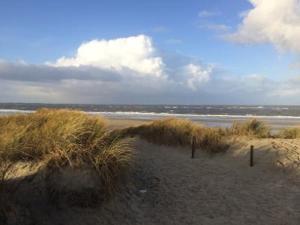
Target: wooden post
column 193, row 146
column 251, row 156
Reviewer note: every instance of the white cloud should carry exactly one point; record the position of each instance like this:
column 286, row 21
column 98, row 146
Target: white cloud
column 112, row 63
column 191, row 83
column 271, row 21
column 288, row 89
column 135, row 53
column 101, row 72
column 127, row 70
column 134, row 57
column 196, row 75
column 286, row 92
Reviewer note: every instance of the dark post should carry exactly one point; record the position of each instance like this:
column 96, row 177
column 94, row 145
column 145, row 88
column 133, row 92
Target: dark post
column 251, row 156
column 193, row 146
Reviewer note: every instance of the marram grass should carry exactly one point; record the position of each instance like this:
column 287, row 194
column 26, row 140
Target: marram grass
column 252, row 128
column 180, row 132
column 65, row 138
column 290, row 133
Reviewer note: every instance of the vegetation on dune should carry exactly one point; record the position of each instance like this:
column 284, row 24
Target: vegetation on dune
column 79, row 162
column 180, row 132
column 290, row 133
column 212, row 140
column 72, row 138
column 252, row 128
column 169, row 131
column 65, row 138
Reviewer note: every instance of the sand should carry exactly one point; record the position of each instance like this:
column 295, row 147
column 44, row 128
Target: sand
column 166, row 186
column 171, row 188
column 123, row 123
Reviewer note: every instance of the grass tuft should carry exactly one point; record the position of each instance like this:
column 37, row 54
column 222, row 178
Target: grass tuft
column 252, row 128
column 290, row 133
column 180, row 132
column 65, row 138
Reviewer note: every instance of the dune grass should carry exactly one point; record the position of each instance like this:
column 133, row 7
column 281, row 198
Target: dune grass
column 180, row 132
column 290, row 133
column 65, row 138
column 250, row 128
column 32, row 137
column 4, row 169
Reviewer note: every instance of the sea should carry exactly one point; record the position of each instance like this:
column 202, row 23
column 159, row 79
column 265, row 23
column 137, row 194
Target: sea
column 277, row 116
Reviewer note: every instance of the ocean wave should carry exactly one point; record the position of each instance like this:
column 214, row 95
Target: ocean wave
column 155, row 114
column 150, row 115
column 15, row 111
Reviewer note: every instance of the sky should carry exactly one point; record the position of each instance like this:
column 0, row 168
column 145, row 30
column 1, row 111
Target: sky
column 150, row 52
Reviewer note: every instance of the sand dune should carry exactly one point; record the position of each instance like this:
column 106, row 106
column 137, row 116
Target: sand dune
column 171, row 188
column 166, row 186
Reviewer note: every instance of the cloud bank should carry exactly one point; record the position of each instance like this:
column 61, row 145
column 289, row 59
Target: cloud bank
column 271, row 21
column 131, row 70
column 119, row 70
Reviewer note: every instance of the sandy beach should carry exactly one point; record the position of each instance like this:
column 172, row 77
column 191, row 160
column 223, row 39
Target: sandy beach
column 170, row 188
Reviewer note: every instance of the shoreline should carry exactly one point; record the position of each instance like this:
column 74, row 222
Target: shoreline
column 276, row 122
column 153, row 115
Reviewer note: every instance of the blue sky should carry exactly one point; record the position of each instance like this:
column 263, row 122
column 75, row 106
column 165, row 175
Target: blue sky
column 203, row 33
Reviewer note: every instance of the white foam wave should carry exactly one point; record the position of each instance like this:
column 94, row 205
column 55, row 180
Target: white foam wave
column 10, row 111
column 153, row 115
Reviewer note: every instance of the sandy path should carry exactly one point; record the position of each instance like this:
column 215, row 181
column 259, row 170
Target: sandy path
column 207, row 190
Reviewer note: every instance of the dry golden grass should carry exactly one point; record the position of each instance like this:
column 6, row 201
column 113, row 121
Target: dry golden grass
column 290, row 133
column 114, row 160
column 4, row 169
column 180, row 132
column 252, row 128
column 65, row 138
column 31, row 137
